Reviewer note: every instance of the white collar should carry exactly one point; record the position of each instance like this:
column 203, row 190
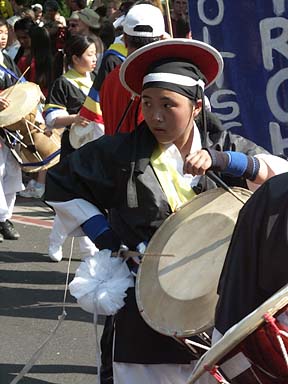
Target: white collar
column 173, row 155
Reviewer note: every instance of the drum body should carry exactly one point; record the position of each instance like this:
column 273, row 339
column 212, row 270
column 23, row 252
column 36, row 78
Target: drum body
column 255, row 349
column 24, row 129
column 263, row 351
column 41, row 153
column 176, row 295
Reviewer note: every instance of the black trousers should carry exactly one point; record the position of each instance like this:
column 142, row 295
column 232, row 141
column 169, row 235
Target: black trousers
column 106, row 370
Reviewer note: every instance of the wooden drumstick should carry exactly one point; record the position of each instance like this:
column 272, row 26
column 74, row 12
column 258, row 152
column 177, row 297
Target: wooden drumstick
column 169, row 18
column 17, row 82
column 128, row 254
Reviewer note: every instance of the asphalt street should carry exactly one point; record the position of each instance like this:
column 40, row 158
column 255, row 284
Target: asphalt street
column 32, row 292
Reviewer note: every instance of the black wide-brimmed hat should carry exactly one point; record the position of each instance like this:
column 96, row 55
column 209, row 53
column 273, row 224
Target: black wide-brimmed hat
column 203, row 56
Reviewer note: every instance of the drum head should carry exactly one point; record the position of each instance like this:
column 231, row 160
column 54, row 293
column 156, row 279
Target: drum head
column 79, row 135
column 239, row 332
column 24, row 98
column 177, row 295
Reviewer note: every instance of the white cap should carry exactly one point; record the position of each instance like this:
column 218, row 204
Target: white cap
column 144, row 20
column 37, row 6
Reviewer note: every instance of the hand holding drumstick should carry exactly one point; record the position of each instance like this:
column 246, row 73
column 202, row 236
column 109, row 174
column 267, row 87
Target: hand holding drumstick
column 4, row 103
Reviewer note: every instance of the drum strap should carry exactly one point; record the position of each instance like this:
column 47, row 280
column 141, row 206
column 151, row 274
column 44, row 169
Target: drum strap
column 11, row 73
column 176, row 188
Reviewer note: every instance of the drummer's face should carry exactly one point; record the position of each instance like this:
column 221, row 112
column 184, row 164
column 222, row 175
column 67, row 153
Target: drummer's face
column 87, row 61
column 23, row 38
column 169, row 115
column 3, row 36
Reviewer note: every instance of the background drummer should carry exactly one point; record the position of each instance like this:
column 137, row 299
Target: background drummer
column 255, row 268
column 61, row 110
column 10, row 172
column 143, row 176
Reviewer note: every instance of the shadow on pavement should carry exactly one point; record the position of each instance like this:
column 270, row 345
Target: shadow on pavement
column 23, row 257
column 39, row 304
column 9, row 371
column 34, row 277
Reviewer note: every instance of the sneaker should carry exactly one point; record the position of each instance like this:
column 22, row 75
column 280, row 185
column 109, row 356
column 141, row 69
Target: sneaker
column 36, row 191
column 8, row 231
column 55, row 252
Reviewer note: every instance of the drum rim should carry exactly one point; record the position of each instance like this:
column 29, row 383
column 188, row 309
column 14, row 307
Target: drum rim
column 279, row 300
column 34, row 100
column 146, row 316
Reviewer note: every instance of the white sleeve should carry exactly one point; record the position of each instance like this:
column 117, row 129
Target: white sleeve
column 276, row 165
column 51, row 117
column 73, row 213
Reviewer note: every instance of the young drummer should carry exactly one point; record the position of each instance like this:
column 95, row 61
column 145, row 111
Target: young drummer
column 141, row 177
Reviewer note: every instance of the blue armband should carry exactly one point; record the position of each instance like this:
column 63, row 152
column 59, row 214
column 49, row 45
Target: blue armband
column 95, row 226
column 234, row 163
column 98, row 230
column 237, row 164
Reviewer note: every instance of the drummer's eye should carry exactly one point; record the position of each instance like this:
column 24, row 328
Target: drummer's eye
column 146, row 103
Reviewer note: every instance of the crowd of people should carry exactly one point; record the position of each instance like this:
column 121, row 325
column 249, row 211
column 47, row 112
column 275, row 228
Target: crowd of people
column 121, row 71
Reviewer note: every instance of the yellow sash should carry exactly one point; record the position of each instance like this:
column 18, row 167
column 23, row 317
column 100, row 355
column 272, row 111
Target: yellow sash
column 176, row 189
column 84, row 83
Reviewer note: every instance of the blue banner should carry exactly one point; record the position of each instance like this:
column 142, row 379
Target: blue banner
column 251, row 97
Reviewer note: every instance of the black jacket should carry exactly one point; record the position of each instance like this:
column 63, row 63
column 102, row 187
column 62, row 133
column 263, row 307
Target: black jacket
column 256, row 265
column 114, row 173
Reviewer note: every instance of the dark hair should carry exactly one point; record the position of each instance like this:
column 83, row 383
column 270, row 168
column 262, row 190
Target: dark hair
column 41, row 51
column 125, row 6
column 76, row 45
column 24, row 24
column 139, row 41
column 107, row 33
column 3, row 22
column 102, row 10
column 51, row 4
column 81, row 3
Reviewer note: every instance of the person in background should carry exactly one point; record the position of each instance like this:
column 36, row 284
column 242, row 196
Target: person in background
column 89, row 25
column 6, row 79
column 38, row 11
column 13, row 44
column 76, row 5
column 73, row 23
column 255, row 269
column 62, row 108
column 142, row 25
column 37, row 56
column 23, row 58
column 89, row 22
column 112, row 10
column 10, row 171
column 51, row 13
column 179, row 19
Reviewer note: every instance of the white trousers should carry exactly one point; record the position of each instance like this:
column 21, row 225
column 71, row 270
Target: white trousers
column 58, row 235
column 10, row 182
column 124, row 373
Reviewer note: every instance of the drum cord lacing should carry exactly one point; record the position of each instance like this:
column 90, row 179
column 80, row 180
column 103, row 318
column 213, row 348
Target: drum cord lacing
column 271, row 321
column 216, row 374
